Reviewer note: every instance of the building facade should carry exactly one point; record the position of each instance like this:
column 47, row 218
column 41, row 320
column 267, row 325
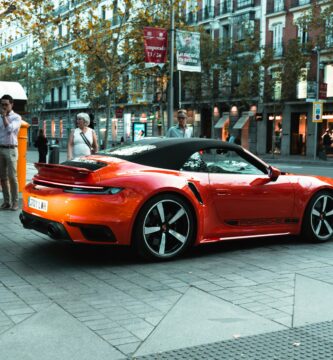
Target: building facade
column 237, row 103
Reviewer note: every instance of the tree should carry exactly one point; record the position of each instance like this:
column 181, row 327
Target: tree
column 41, row 68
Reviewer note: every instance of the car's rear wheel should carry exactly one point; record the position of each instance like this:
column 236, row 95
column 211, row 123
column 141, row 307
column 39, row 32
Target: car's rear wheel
column 318, row 218
column 164, row 228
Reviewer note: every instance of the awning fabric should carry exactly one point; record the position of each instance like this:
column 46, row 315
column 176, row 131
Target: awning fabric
column 14, row 89
column 241, row 122
column 221, row 122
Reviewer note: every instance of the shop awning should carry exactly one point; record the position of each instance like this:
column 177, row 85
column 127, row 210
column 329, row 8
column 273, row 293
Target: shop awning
column 241, row 122
column 14, row 89
column 222, row 121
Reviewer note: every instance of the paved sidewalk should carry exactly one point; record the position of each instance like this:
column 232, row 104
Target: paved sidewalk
column 264, row 299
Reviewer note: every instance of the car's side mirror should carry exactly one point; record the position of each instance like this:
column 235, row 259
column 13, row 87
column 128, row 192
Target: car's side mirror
column 273, row 173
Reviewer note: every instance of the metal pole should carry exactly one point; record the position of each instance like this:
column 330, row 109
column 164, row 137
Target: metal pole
column 317, row 98
column 171, row 59
column 180, row 89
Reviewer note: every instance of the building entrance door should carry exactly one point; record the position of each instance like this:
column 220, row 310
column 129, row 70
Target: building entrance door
column 298, row 131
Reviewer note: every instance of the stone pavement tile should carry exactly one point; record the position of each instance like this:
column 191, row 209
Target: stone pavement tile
column 196, row 310
column 122, row 341
column 128, row 349
column 99, row 324
column 154, row 320
column 20, row 317
column 313, row 301
column 63, row 338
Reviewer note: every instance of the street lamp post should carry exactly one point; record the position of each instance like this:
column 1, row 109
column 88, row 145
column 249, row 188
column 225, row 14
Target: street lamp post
column 170, row 88
column 317, row 50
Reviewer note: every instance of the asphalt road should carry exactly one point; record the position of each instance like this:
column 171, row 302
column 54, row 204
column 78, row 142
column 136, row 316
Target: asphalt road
column 305, row 169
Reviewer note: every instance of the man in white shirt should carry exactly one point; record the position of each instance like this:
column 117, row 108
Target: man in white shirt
column 10, row 123
column 181, row 130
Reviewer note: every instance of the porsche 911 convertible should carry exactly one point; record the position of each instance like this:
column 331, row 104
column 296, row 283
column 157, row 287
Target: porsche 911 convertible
column 162, row 196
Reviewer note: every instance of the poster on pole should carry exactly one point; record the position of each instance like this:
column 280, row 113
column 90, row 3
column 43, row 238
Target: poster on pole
column 317, row 111
column 155, row 46
column 188, row 51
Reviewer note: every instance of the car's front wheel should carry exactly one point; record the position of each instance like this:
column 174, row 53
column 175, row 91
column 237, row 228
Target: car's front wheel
column 165, row 227
column 318, row 218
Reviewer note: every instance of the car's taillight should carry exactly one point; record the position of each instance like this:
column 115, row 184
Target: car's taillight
column 94, row 190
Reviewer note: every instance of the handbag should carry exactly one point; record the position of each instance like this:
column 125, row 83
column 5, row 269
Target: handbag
column 87, row 142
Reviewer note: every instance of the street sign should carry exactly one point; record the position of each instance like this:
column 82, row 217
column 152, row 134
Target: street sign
column 317, row 111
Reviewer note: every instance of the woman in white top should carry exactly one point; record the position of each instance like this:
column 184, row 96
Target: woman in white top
column 82, row 140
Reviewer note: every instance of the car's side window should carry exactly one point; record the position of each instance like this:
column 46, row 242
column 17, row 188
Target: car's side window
column 195, row 163
column 228, row 162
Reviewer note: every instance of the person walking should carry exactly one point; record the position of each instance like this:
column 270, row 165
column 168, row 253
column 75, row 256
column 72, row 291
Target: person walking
column 181, row 130
column 82, row 140
column 10, row 123
column 41, row 145
column 327, row 141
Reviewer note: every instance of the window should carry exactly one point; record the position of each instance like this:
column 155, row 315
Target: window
column 329, row 31
column 278, row 5
column 302, row 34
column 277, row 85
column 329, row 79
column 221, row 161
column 277, row 39
column 103, row 12
column 302, row 85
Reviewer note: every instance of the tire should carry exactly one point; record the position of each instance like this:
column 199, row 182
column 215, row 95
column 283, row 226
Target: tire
column 164, row 228
column 318, row 218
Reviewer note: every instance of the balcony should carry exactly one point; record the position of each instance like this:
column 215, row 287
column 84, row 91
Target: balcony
column 275, row 6
column 19, row 55
column 297, row 3
column 243, row 4
column 56, row 105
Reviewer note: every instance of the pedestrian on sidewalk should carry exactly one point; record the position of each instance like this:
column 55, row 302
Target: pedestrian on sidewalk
column 82, row 140
column 41, row 145
column 327, row 141
column 181, row 130
column 10, row 123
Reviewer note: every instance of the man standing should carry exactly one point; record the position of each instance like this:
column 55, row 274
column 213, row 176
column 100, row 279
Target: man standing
column 181, row 130
column 10, row 123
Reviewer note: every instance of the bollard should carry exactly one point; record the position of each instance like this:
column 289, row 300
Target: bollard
column 53, row 154
column 22, row 155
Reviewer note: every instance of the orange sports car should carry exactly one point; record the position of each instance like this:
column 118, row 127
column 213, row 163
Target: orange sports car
column 164, row 195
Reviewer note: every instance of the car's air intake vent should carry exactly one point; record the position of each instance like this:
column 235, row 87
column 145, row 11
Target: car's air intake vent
column 86, row 164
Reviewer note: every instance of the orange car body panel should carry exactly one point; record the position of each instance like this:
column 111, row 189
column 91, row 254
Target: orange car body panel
column 264, row 204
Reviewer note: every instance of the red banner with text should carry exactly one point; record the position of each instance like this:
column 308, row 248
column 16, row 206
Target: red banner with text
column 155, row 45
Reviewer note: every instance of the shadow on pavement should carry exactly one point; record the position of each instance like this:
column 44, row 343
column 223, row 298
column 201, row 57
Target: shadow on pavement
column 69, row 255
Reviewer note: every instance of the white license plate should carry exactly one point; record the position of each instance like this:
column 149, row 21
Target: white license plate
column 37, row 204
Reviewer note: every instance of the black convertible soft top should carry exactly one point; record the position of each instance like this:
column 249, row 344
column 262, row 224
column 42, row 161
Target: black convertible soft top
column 168, row 153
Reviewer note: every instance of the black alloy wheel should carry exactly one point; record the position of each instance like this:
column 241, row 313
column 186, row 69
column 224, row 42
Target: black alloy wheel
column 318, row 219
column 164, row 227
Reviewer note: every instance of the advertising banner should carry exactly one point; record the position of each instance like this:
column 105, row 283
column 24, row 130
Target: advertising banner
column 188, row 51
column 139, row 130
column 155, row 45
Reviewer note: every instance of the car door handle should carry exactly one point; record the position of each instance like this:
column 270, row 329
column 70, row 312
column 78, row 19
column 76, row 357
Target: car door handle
column 223, row 192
